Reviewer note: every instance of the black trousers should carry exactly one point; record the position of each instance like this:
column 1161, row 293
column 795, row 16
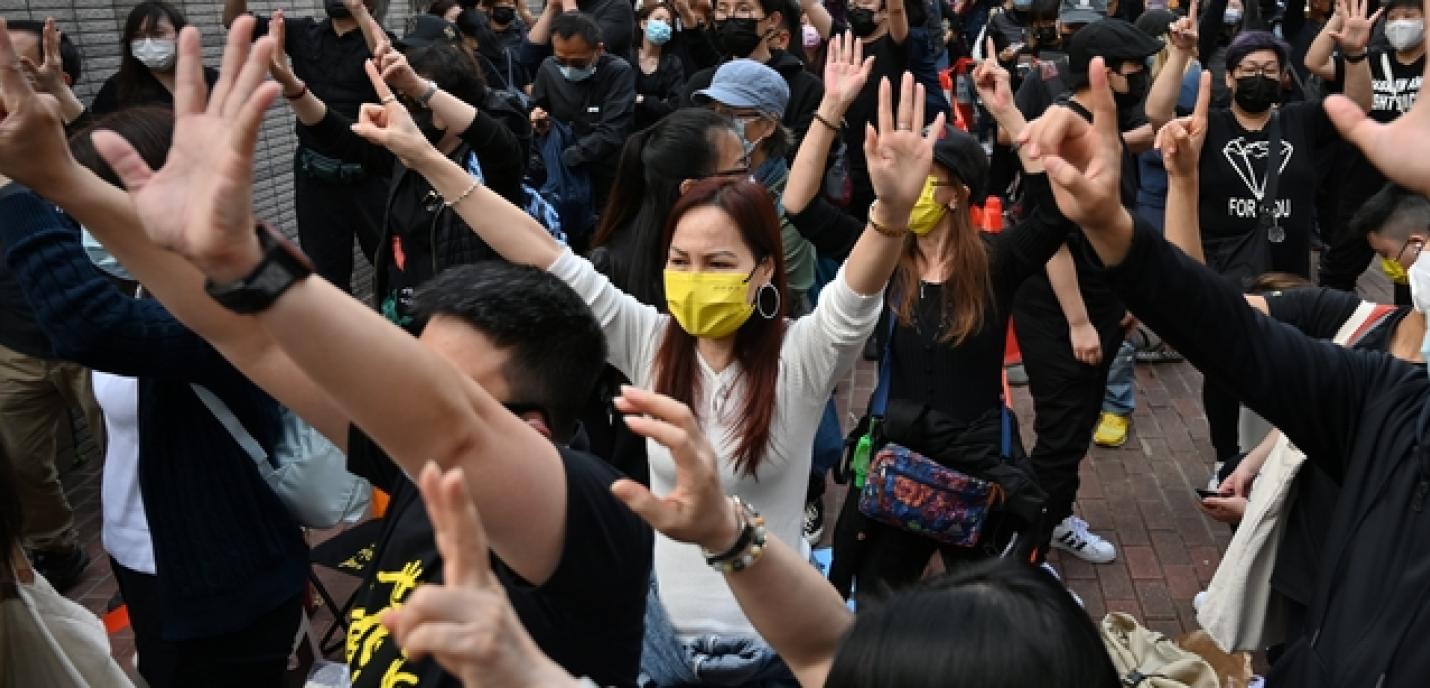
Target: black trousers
column 329, row 217
column 254, row 656
column 1067, row 393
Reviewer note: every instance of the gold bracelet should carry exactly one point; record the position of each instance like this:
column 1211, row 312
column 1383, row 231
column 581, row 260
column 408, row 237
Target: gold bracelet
column 891, row 232
column 464, row 195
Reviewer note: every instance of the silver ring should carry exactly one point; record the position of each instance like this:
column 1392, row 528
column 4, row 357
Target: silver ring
column 903, row 127
column 389, row 99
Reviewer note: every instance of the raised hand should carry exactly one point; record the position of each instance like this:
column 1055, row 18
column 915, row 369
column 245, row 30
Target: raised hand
column 1355, row 28
column 993, row 83
column 397, row 73
column 697, row 510
column 388, row 124
column 1400, row 150
column 1183, row 34
column 467, row 624
column 1180, row 140
column 49, row 75
column 279, row 67
column 845, row 71
column 33, row 150
column 1083, row 161
column 200, row 203
column 899, row 156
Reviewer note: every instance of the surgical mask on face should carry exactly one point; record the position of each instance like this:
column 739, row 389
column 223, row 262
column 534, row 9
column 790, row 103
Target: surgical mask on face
column 503, row 15
column 862, row 21
column 927, row 212
column 1136, row 91
column 1419, row 276
column 576, row 75
column 712, row 305
column 337, row 10
column 100, row 257
column 1405, row 34
column 747, row 147
column 657, row 31
column 811, row 36
column 738, row 37
column 1022, row 5
column 158, row 54
column 1232, row 17
column 1255, row 94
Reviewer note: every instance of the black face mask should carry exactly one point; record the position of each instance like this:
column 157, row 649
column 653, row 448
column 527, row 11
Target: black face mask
column 503, row 15
column 862, row 22
column 1136, row 91
column 337, row 10
column 423, row 120
column 738, row 37
column 1256, row 94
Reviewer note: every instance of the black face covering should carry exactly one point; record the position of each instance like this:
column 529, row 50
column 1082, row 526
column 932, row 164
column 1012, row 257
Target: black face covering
column 423, row 120
column 503, row 15
column 738, row 37
column 336, row 9
column 862, row 22
column 1256, row 94
column 1136, row 91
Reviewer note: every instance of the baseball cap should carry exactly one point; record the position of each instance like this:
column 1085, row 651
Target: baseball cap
column 1082, row 11
column 962, row 154
column 1154, row 23
column 1114, row 40
column 428, row 29
column 746, row 84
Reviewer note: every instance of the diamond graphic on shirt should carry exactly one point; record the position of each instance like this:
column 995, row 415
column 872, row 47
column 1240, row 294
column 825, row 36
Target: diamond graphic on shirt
column 1243, row 157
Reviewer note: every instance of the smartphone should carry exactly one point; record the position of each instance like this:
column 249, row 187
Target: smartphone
column 1203, row 494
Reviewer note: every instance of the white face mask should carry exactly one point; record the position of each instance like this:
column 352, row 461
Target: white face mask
column 1405, row 34
column 1232, row 16
column 157, row 54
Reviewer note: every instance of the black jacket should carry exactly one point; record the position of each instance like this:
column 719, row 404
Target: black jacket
column 600, row 110
column 659, row 91
column 805, row 92
column 1360, row 417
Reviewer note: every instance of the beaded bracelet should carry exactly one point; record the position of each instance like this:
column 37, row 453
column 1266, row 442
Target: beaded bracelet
column 464, row 195
column 748, row 547
column 820, row 118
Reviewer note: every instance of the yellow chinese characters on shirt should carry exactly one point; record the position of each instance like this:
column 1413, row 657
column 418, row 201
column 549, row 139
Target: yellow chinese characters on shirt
column 366, row 632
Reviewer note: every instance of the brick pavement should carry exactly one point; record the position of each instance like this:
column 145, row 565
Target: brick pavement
column 1140, row 496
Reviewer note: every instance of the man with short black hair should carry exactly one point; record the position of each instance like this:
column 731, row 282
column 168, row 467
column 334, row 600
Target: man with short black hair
column 589, row 90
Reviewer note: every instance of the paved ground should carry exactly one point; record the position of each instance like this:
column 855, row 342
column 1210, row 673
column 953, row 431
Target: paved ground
column 1140, row 496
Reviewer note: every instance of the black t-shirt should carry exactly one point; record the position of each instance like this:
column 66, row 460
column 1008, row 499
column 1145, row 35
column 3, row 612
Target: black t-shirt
column 1319, row 314
column 890, row 61
column 330, row 65
column 588, row 617
column 1393, row 93
column 150, row 92
column 1233, row 178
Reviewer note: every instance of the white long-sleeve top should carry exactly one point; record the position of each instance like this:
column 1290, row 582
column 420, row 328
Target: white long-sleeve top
column 818, row 350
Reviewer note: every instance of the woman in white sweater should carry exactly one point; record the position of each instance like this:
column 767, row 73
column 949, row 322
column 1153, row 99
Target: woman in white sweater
column 757, row 382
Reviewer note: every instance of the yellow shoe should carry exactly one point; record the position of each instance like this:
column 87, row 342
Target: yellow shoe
column 1111, row 430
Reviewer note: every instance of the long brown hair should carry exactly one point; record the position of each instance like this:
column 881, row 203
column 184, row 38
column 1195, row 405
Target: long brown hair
column 757, row 342
column 969, row 284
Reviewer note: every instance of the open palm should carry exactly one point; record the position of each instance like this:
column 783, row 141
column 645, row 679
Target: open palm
column 898, row 154
column 845, row 70
column 1354, row 33
column 200, row 202
column 32, row 139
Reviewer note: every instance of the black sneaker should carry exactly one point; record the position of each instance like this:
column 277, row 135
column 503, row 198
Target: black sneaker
column 63, row 569
column 814, row 522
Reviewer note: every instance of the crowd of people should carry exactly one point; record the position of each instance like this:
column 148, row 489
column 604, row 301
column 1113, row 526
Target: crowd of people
column 623, row 256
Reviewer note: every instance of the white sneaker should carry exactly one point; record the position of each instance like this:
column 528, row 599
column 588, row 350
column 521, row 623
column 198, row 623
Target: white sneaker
column 1197, row 601
column 1073, row 536
column 1058, row 577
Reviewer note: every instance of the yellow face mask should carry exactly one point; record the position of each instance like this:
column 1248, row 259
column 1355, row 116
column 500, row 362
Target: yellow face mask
column 1394, row 271
column 927, row 212
column 708, row 304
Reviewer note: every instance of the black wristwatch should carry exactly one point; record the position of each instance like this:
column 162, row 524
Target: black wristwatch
column 1356, row 59
column 281, row 266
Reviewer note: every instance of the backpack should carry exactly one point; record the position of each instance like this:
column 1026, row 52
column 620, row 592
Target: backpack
column 532, row 202
column 1147, row 659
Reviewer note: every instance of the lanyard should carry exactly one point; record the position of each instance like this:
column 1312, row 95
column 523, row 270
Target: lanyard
column 1390, row 79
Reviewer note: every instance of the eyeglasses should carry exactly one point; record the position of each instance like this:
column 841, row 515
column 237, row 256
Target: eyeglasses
column 1270, row 70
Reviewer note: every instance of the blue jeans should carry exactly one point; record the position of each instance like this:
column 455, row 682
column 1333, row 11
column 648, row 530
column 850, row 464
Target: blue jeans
column 1120, row 397
column 710, row 660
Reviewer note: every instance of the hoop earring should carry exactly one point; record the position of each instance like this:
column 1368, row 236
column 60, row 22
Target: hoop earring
column 760, row 301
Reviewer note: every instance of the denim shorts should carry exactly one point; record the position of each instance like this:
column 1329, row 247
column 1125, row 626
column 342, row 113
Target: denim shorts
column 708, row 660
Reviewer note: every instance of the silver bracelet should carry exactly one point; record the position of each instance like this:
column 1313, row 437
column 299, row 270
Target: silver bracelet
column 464, row 195
column 427, row 95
